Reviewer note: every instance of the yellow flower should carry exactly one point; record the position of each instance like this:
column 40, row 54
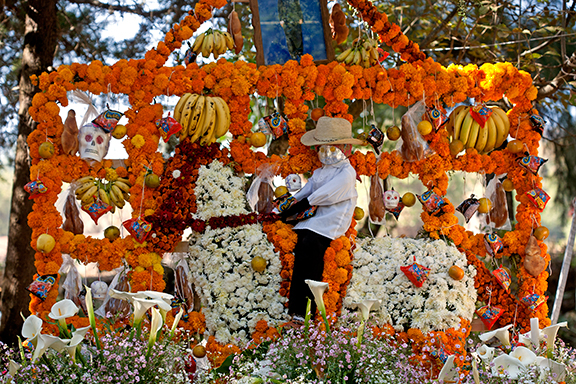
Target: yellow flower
column 138, row 141
column 111, row 174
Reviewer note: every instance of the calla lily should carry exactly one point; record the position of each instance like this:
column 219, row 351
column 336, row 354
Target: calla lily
column 61, row 311
column 550, row 334
column 13, row 368
column 142, row 305
column 475, row 373
column 155, row 326
column 486, row 353
column 448, row 374
column 366, row 306
column 507, row 366
column 155, row 295
column 318, row 288
column 176, row 321
column 44, row 342
column 558, row 370
column 31, row 329
column 524, row 338
column 92, row 317
column 501, row 334
column 77, row 337
column 525, row 355
column 121, row 295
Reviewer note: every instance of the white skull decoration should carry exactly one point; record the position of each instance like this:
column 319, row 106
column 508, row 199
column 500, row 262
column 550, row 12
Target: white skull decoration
column 293, row 182
column 93, row 142
column 391, row 199
column 99, row 289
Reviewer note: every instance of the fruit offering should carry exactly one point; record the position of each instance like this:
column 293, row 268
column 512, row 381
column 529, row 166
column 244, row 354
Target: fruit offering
column 203, row 118
column 114, row 193
column 364, row 52
column 45, row 243
column 462, row 126
column 213, row 42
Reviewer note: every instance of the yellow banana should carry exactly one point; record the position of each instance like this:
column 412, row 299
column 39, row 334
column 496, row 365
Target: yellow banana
column 180, row 106
column 504, row 117
column 350, row 57
column 103, row 195
column 123, row 186
column 210, row 122
column 482, row 137
column 209, row 44
column 465, row 130
column 373, row 53
column 187, row 114
column 473, row 136
column 196, row 47
column 222, row 122
column 89, row 194
column 459, row 121
column 341, row 57
column 452, row 119
column 84, row 180
column 84, row 187
column 124, row 180
column 229, row 40
column 500, row 129
column 492, row 135
column 364, row 54
column 357, row 57
column 126, row 196
column 194, row 123
column 117, row 197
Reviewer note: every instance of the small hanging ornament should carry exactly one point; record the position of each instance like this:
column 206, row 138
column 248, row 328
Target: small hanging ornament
column 375, row 138
column 397, row 210
column 99, row 289
column 42, row 285
column 168, row 126
column 431, row 201
column 391, row 199
column 534, row 263
column 503, row 277
column 533, row 300
column 538, row 197
column 480, row 113
column 532, row 163
column 416, row 273
column 274, row 125
column 96, row 210
column 440, row 354
column 35, row 188
column 190, row 56
column 493, row 243
column 138, row 228
column 108, row 120
column 489, row 315
column 436, row 117
column 468, row 207
column 538, row 124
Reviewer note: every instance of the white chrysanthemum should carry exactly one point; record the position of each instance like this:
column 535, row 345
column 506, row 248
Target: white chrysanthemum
column 436, row 306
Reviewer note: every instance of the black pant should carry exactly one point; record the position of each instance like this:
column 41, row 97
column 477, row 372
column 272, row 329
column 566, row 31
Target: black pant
column 308, row 264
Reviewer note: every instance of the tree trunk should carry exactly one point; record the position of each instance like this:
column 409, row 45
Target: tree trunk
column 39, row 46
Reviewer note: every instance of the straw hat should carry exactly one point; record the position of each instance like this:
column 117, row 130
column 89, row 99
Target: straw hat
column 330, row 130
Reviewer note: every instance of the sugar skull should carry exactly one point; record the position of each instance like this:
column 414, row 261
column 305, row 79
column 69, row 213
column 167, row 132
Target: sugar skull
column 391, row 199
column 99, row 289
column 293, row 182
column 93, row 142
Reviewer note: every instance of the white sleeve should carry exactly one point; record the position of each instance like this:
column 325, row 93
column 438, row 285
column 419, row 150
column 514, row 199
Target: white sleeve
column 339, row 188
column 306, row 190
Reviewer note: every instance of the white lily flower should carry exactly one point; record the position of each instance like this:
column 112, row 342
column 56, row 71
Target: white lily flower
column 475, row 372
column 176, row 321
column 486, row 353
column 501, row 334
column 366, row 306
column 155, row 295
column 524, row 338
column 31, row 329
column 155, row 326
column 555, row 368
column 448, row 374
column 142, row 305
column 318, row 288
column 44, row 342
column 550, row 333
column 525, row 355
column 507, row 366
column 63, row 309
column 13, row 368
column 77, row 337
column 122, row 295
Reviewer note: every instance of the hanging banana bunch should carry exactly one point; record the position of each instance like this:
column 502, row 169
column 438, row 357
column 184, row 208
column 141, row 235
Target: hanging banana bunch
column 212, row 42
column 364, row 52
column 203, row 118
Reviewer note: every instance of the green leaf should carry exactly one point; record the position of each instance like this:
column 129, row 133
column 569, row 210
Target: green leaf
column 223, row 368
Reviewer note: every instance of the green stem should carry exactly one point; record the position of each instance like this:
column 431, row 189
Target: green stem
column 48, row 363
column 360, row 333
column 80, row 356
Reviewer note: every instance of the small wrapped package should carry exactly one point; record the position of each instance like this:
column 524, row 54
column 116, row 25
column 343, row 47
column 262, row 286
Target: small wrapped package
column 116, row 307
column 96, row 210
column 416, row 273
column 182, row 287
column 493, row 244
column 436, row 117
column 375, row 138
column 138, row 228
column 480, row 113
column 440, row 354
column 532, row 163
column 108, row 120
column 503, row 277
column 72, row 284
column 468, row 207
column 376, row 208
column 538, row 123
column 489, row 315
column 168, row 126
column 42, row 285
column 498, row 216
column 260, row 196
column 431, row 201
column 72, row 221
column 35, row 188
column 532, row 301
column 534, row 263
column 412, row 146
column 538, row 197
column 274, row 125
column 397, row 210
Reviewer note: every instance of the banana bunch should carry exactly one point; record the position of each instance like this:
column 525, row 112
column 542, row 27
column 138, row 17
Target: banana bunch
column 214, row 42
column 463, row 127
column 114, row 193
column 364, row 52
column 203, row 118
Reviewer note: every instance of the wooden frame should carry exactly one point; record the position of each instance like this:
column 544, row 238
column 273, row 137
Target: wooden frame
column 263, row 46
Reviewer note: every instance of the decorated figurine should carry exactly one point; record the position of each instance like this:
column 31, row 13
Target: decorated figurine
column 332, row 188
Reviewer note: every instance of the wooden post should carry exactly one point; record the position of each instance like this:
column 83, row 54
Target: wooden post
column 565, row 269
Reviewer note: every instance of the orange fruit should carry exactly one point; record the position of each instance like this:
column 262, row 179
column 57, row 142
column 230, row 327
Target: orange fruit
column 119, row 131
column 456, row 146
column 316, row 114
column 424, row 127
column 358, row 213
column 199, row 351
column 541, row 233
column 408, row 199
column 508, row 185
column 485, row 205
column 280, row 191
column 152, row 180
column 515, row 146
column 456, row 272
column 46, row 150
column 112, row 233
column 393, row 133
column 45, row 243
column 258, row 264
column 258, row 139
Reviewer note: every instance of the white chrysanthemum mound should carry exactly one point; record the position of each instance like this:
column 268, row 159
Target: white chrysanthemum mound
column 219, row 192
column 234, row 296
column 436, row 306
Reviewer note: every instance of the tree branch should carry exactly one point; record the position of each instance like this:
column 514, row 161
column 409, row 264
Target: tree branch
column 438, row 29
column 567, row 72
column 123, row 8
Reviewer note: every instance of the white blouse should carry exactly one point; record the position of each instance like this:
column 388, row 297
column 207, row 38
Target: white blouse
column 333, row 189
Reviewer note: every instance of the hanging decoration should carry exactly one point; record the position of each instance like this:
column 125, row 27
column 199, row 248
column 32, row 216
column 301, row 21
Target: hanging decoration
column 416, row 273
column 532, row 163
column 468, row 207
column 538, row 197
